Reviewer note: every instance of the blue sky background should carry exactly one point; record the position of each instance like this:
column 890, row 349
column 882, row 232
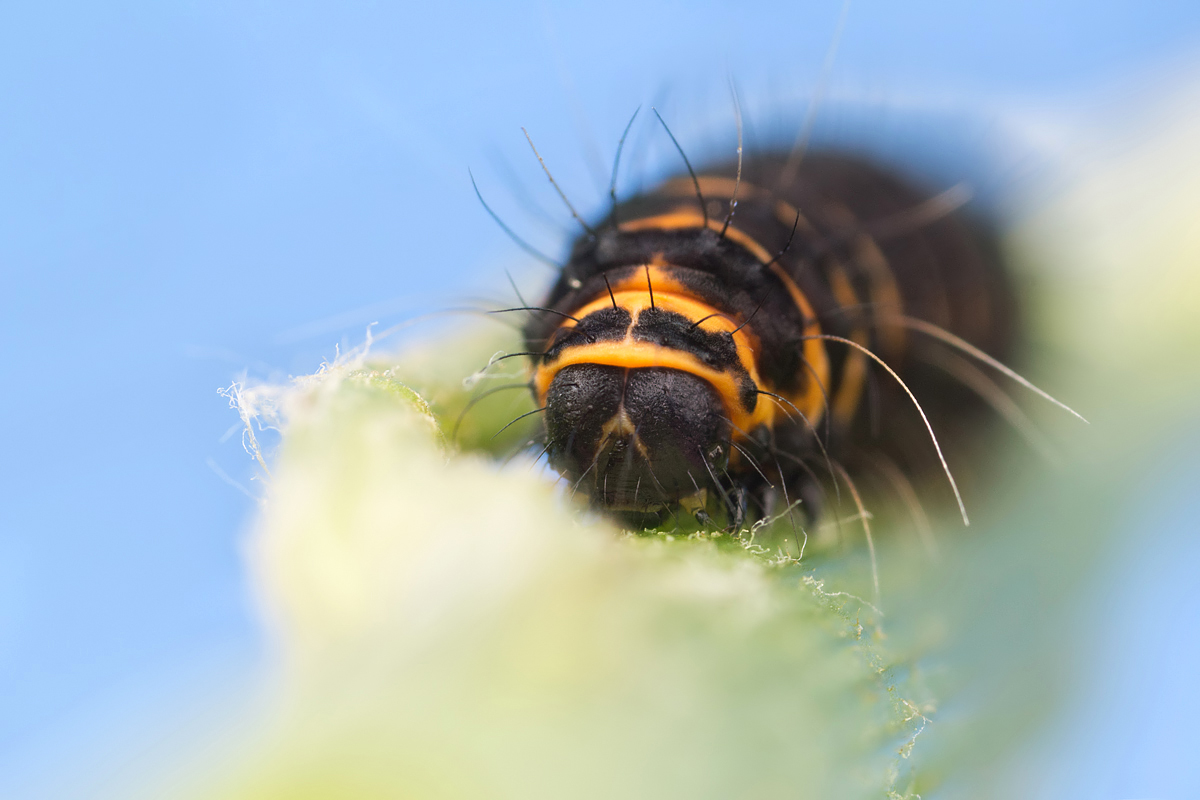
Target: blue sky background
column 189, row 190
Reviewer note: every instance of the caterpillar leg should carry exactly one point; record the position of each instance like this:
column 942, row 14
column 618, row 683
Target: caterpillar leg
column 740, row 507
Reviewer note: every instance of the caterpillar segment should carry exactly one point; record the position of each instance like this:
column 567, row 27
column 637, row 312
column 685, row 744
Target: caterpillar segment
column 699, row 357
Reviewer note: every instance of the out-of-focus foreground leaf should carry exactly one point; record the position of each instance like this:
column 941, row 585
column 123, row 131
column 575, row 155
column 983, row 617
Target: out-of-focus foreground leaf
column 451, row 630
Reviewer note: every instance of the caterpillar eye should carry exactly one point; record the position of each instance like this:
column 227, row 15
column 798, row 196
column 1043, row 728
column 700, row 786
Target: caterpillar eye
column 635, row 439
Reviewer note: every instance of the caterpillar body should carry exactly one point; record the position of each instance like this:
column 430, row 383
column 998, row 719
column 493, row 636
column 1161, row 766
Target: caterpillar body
column 725, row 341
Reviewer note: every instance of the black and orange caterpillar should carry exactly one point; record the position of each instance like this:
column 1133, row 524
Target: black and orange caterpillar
column 726, row 341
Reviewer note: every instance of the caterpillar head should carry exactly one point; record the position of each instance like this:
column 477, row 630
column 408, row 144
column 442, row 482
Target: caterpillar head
column 635, row 439
column 643, row 391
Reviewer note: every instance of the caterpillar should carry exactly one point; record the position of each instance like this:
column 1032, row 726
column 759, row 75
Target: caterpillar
column 725, row 341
